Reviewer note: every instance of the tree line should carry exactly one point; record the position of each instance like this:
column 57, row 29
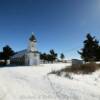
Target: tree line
column 52, row 56
column 49, row 57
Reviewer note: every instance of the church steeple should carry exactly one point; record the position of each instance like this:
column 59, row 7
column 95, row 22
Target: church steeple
column 32, row 38
column 32, row 43
column 32, row 53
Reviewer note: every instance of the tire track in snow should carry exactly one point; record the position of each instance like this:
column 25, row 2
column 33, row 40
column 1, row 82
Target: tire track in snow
column 49, row 82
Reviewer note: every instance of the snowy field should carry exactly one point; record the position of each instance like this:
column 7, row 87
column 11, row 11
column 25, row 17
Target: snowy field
column 34, row 83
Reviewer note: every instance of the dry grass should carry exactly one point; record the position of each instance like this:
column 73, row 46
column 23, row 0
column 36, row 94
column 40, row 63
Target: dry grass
column 79, row 69
column 84, row 68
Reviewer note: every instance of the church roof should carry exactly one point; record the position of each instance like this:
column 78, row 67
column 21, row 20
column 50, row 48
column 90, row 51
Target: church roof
column 32, row 38
column 19, row 54
column 22, row 53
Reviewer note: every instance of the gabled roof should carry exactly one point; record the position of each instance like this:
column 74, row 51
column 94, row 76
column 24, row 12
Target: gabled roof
column 22, row 53
column 32, row 38
column 19, row 54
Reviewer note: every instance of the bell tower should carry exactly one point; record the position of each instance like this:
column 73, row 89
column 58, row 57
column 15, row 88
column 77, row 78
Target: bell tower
column 32, row 43
column 32, row 56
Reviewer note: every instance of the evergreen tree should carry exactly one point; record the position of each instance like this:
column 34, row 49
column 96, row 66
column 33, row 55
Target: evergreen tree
column 62, row 56
column 1, row 56
column 7, row 53
column 43, row 57
column 98, row 54
column 48, row 57
column 53, row 55
column 90, row 50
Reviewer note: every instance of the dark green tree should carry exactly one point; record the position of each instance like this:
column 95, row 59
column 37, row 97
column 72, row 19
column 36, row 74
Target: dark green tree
column 53, row 55
column 7, row 53
column 90, row 50
column 44, row 57
column 48, row 57
column 41, row 56
column 1, row 56
column 98, row 54
column 62, row 56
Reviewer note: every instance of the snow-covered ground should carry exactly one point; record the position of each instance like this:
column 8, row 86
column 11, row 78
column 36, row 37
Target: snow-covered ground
column 34, row 83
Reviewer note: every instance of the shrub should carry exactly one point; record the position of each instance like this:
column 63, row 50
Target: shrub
column 88, row 68
column 78, row 69
column 68, row 76
column 84, row 68
column 55, row 72
column 52, row 72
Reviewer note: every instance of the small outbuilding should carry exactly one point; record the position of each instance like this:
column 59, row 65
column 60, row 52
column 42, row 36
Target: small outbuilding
column 77, row 62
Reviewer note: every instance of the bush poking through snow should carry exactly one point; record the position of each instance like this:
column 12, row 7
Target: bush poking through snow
column 82, row 69
column 77, row 69
column 60, row 73
column 88, row 68
column 53, row 72
column 68, row 76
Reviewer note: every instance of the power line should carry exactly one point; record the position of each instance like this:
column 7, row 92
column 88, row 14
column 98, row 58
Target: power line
column 72, row 49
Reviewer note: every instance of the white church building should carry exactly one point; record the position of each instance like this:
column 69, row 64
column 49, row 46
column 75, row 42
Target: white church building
column 29, row 56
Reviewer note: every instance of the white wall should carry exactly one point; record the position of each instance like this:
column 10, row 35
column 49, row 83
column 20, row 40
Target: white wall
column 33, row 59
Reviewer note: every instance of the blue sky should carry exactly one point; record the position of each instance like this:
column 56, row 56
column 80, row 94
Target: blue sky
column 58, row 24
